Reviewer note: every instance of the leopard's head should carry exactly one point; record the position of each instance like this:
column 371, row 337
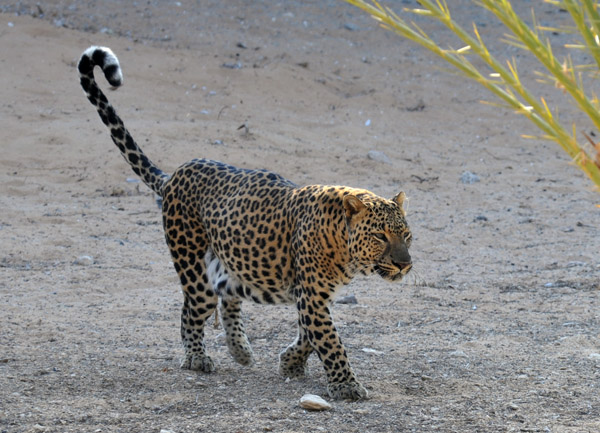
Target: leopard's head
column 379, row 237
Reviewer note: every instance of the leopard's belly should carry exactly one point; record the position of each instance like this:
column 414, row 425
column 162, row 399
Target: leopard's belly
column 227, row 284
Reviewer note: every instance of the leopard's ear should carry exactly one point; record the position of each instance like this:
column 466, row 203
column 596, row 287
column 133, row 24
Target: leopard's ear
column 353, row 206
column 399, row 199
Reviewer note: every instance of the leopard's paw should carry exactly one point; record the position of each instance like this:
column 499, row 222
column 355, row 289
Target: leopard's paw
column 198, row 363
column 242, row 357
column 240, row 350
column 347, row 391
column 292, row 370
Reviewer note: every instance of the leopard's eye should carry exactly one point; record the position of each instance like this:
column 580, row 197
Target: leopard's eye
column 407, row 237
column 380, row 237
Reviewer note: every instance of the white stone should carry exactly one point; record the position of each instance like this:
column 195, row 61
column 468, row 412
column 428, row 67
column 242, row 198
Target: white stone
column 84, row 261
column 378, row 156
column 314, row 402
column 468, row 178
column 372, row 351
column 458, row 354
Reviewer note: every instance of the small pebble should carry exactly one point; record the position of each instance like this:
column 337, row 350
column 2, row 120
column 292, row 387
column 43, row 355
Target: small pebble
column 594, row 356
column 84, row 261
column 378, row 156
column 314, row 402
column 236, row 65
column 558, row 284
column 468, row 178
column 350, row 299
column 373, row 351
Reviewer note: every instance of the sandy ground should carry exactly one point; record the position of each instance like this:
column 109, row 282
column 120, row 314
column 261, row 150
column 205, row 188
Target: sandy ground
column 497, row 330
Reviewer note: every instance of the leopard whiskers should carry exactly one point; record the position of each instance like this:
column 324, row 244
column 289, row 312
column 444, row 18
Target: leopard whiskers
column 416, row 278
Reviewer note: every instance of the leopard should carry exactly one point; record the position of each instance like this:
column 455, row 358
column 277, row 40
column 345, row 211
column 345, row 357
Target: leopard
column 238, row 234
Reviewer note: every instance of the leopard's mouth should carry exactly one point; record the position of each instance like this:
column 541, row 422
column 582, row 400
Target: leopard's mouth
column 391, row 272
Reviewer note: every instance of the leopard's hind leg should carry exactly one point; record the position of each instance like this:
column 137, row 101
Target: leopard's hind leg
column 188, row 244
column 237, row 341
column 231, row 309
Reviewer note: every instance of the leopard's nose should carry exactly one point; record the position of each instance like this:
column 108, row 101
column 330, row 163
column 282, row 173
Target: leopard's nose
column 400, row 255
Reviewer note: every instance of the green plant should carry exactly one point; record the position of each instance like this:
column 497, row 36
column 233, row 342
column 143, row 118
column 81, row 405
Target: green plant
column 505, row 81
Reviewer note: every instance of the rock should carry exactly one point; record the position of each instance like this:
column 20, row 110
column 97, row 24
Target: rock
column 236, row 65
column 350, row 299
column 558, row 284
column 84, row 261
column 361, row 411
column 378, row 156
column 468, row 178
column 419, row 106
column 594, row 356
column 314, row 402
column 372, row 351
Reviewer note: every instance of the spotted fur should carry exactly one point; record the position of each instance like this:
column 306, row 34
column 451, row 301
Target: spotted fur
column 240, row 234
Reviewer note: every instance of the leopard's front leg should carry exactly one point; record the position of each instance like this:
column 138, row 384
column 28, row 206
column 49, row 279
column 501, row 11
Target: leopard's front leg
column 292, row 361
column 317, row 323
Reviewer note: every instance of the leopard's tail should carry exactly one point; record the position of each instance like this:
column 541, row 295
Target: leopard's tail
column 152, row 176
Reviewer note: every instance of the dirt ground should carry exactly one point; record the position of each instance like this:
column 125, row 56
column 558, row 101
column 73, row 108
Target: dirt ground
column 496, row 330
